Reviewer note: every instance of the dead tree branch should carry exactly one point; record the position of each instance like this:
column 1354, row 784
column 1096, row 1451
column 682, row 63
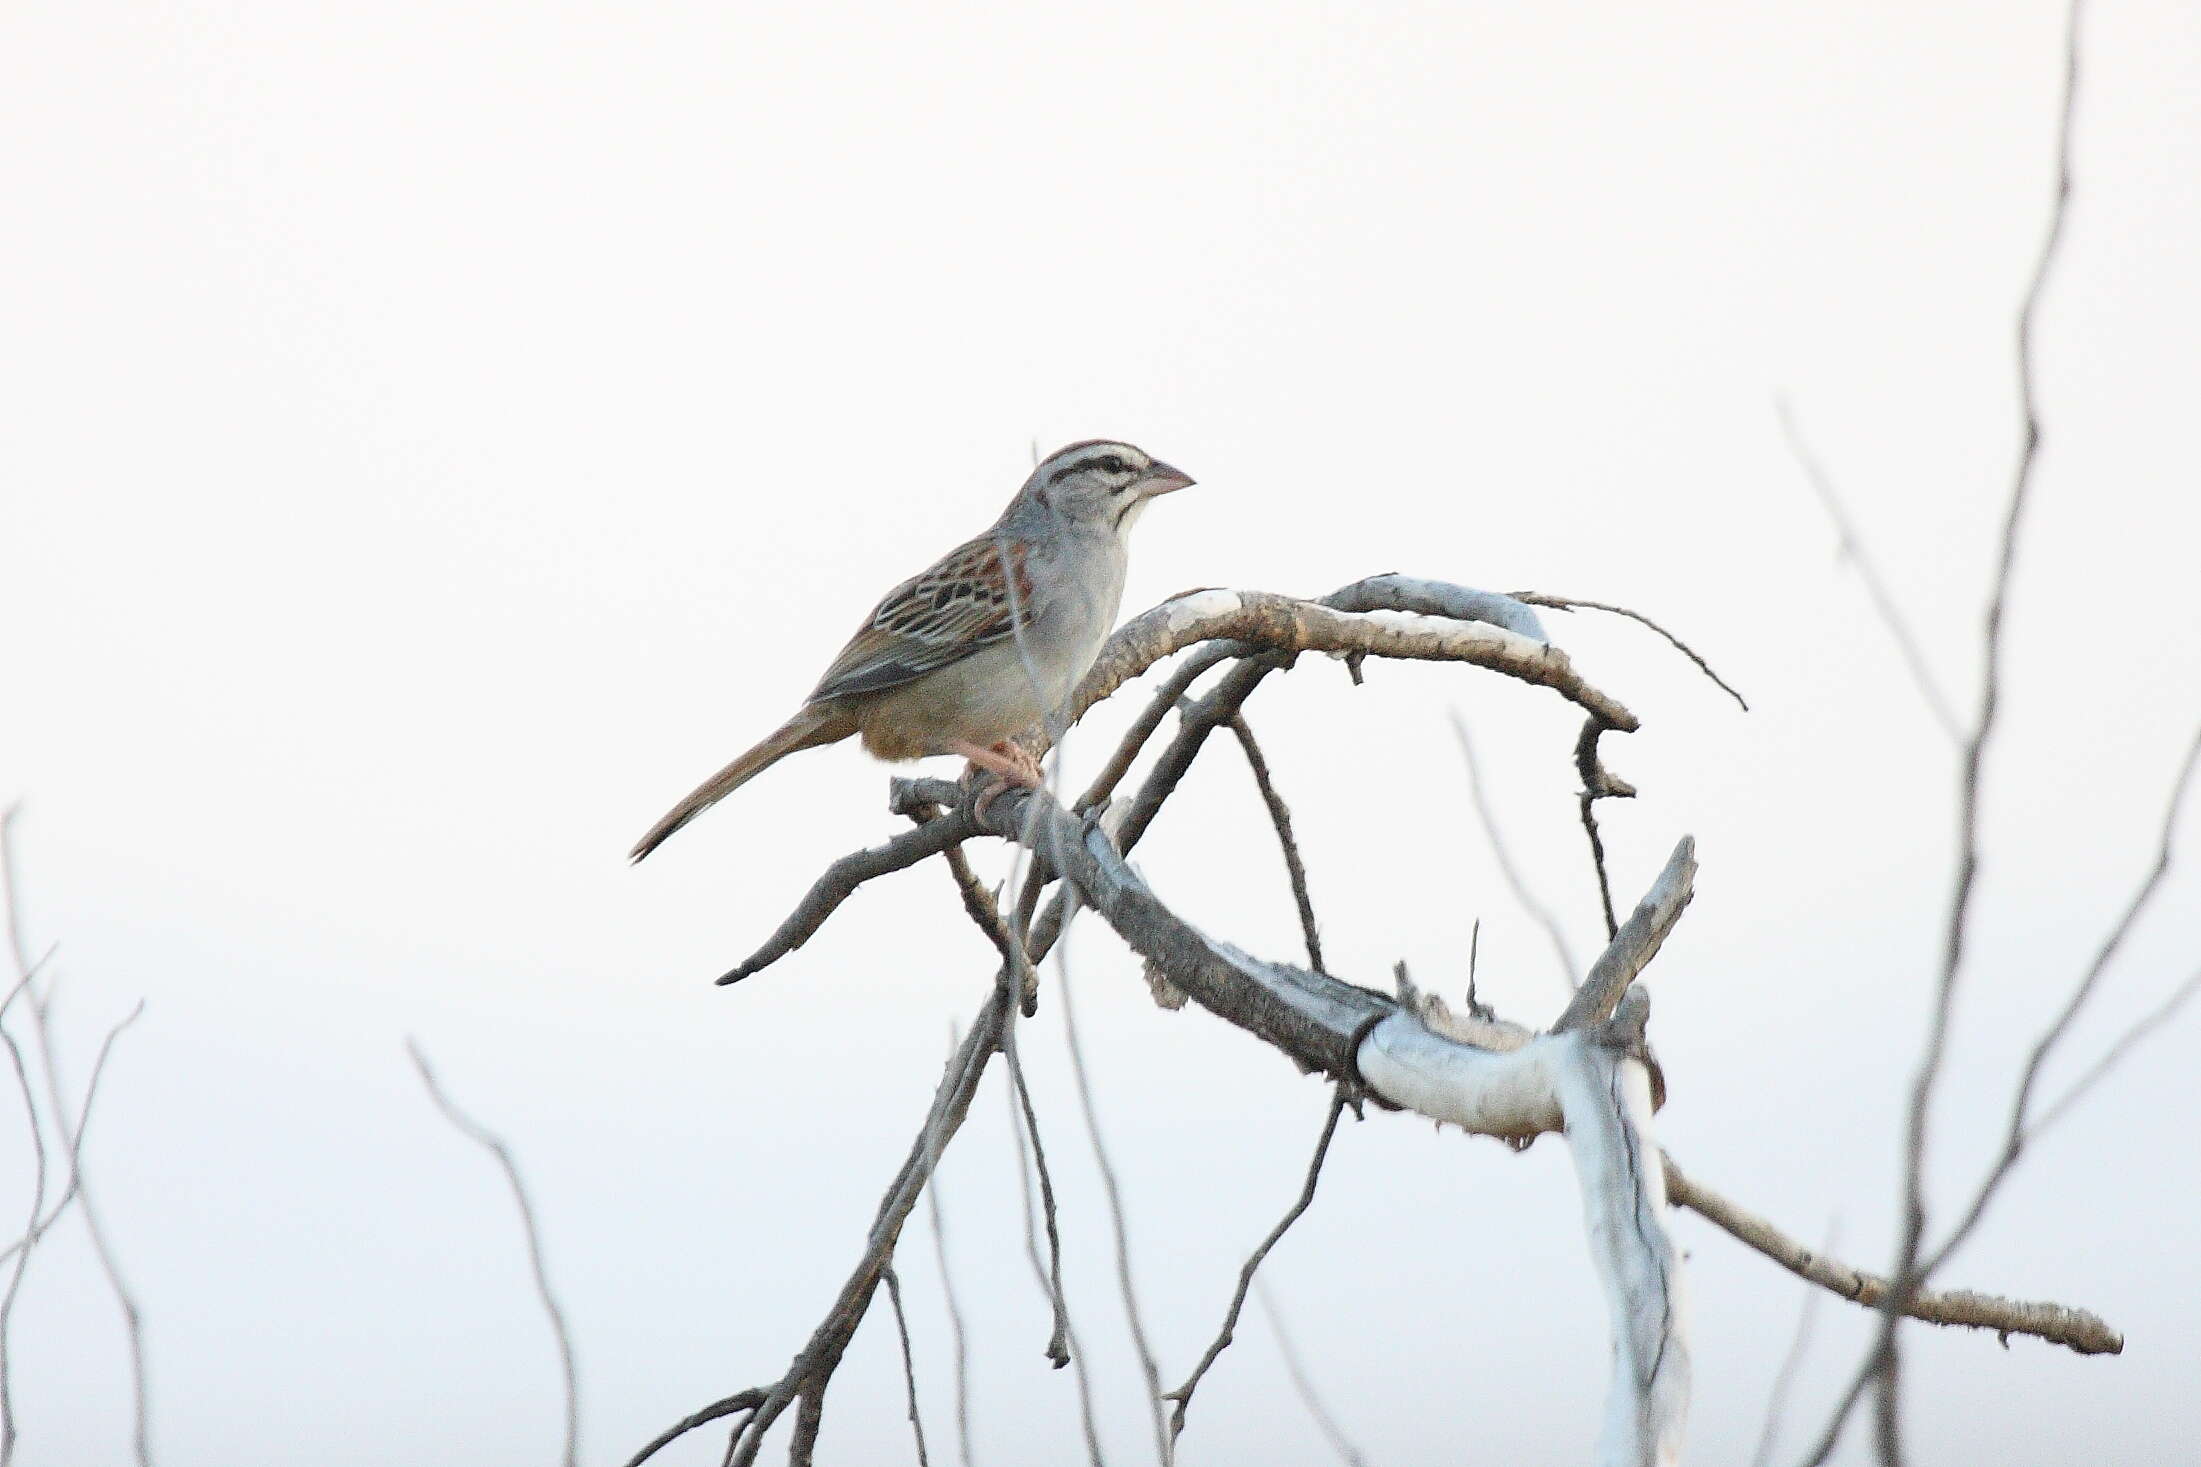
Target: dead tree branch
column 1324, row 1421
column 1182, row 1396
column 495, row 1145
column 1570, row 603
column 2057, row 1324
column 1851, row 547
column 909, row 1363
column 1885, row 1362
column 1119, row 1221
column 1280, row 816
column 1590, row 1075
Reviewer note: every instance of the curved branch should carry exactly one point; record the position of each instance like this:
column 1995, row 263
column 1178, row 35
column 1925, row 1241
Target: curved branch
column 839, row 883
column 1281, row 624
column 1570, row 603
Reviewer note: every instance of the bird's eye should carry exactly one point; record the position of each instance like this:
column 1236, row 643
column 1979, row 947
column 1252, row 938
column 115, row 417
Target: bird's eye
column 1111, row 464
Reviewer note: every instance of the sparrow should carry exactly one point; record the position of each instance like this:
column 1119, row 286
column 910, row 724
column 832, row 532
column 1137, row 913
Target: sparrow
column 984, row 644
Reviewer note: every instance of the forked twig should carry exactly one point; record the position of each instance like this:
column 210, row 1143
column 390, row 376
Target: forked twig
column 495, row 1145
column 1119, row 1223
column 1328, row 1424
column 1182, row 1396
column 1572, row 603
column 1884, row 1364
column 909, row 1363
column 1280, row 816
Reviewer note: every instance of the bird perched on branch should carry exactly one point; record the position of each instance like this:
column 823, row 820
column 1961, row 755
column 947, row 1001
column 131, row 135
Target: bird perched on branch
column 986, row 643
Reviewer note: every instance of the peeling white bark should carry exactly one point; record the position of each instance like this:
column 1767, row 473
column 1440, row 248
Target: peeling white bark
column 1514, row 1094
column 1606, row 1096
column 1601, row 1098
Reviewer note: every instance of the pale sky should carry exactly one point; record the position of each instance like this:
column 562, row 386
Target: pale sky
column 433, row 437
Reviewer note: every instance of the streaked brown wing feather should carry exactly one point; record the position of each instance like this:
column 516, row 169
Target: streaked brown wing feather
column 931, row 620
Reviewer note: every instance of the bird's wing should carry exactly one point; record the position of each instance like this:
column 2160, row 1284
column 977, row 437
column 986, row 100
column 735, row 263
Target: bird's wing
column 964, row 602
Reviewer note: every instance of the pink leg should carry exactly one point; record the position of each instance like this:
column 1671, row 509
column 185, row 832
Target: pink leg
column 1005, row 759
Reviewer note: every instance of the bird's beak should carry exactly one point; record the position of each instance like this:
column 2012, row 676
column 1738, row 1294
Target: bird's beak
column 1160, row 478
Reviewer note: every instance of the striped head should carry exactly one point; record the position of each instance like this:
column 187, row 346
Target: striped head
column 1100, row 483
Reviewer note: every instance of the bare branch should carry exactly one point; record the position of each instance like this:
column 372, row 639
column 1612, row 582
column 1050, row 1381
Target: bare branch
column 1637, row 942
column 1569, row 603
column 1050, row 1280
column 71, row 1128
column 2021, row 1131
column 1784, row 1379
column 909, row 1363
column 2140, row 1029
column 2058, row 1324
column 839, row 883
column 1852, row 548
column 26, row 972
column 1223, row 1336
column 1119, row 1224
column 1512, row 873
column 936, row 1213
column 102, row 1249
column 1031, row 1161
column 1886, row 1361
column 494, row 1144
column 811, row 1371
column 1165, row 700
column 76, row 1136
column 1598, row 783
column 733, row 1405
column 1283, row 625
column 1331, row 1431
column 30, row 1236
column 1280, row 816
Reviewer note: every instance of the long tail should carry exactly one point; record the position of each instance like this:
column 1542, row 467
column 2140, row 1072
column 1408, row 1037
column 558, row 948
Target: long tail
column 811, row 726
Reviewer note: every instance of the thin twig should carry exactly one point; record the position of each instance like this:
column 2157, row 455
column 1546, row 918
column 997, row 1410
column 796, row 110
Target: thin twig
column 76, row 1136
column 840, row 880
column 1886, row 1361
column 812, row 1369
column 2140, row 1029
column 1335, row 1434
column 133, row 1319
column 1182, row 1396
column 1851, row 546
column 909, row 1363
column 959, row 1341
column 1118, row 1222
column 733, row 1405
column 2022, row 1132
column 1784, row 1379
column 1571, row 603
column 30, row 1237
column 1598, row 783
column 11, row 905
column 494, row 1144
column 1280, row 816
column 1024, row 1123
column 1050, row 1285
column 1165, row 700
column 1521, row 893
column 26, row 972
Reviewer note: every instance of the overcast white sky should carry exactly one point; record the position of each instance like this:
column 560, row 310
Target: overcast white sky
column 432, row 437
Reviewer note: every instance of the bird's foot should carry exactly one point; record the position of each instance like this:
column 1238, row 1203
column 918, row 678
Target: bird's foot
column 1012, row 762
